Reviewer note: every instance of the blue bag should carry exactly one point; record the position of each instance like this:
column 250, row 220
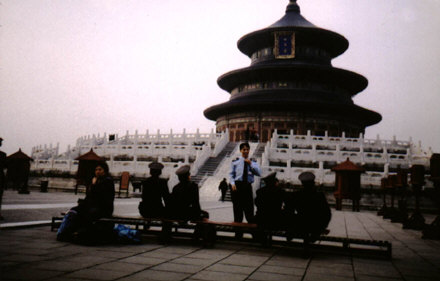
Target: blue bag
column 127, row 235
column 68, row 226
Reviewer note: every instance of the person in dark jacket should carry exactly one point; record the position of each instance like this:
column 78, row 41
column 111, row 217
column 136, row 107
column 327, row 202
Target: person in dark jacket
column 81, row 221
column 185, row 203
column 100, row 195
column 223, row 187
column 269, row 203
column 312, row 210
column 155, row 194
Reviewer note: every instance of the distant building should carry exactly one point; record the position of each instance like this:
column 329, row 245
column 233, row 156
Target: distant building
column 291, row 85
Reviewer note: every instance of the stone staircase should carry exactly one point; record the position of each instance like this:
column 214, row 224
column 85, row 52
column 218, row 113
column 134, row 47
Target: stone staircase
column 210, row 166
column 259, row 151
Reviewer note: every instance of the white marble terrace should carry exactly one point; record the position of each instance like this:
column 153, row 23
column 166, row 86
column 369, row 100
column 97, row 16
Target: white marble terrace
column 288, row 154
column 291, row 154
column 133, row 153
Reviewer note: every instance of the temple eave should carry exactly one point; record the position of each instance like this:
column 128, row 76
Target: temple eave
column 354, row 82
column 364, row 116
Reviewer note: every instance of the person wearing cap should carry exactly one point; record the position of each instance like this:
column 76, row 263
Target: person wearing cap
column 155, row 193
column 312, row 210
column 241, row 177
column 2, row 176
column 185, row 203
column 269, row 203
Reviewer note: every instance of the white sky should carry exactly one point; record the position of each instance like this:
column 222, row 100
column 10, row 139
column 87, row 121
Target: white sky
column 72, row 68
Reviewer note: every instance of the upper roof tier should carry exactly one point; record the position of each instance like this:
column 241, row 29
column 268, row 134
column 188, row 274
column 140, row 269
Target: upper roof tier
column 307, row 33
column 293, row 17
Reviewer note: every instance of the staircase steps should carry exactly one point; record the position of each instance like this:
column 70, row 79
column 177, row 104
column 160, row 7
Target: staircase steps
column 211, row 165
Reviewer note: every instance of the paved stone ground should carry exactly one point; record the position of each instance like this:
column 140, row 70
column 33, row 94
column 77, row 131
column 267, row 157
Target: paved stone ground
column 34, row 254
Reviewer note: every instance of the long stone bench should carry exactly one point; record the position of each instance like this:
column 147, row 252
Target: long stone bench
column 211, row 230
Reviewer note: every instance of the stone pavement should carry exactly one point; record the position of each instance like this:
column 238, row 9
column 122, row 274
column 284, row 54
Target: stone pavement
column 32, row 253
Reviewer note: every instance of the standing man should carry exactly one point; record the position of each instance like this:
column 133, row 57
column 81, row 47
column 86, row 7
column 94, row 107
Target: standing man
column 241, row 178
column 2, row 176
column 223, row 187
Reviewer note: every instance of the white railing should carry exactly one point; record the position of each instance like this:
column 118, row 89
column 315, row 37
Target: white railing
column 221, row 143
column 284, row 150
column 181, row 148
column 201, row 158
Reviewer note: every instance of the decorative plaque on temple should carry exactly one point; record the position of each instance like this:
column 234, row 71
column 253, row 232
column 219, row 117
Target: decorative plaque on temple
column 284, row 45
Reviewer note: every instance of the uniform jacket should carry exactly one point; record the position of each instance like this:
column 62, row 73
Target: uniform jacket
column 269, row 202
column 236, row 173
column 185, row 203
column 154, row 190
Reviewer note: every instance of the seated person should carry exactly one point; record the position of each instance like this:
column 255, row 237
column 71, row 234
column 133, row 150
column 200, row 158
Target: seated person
column 79, row 223
column 184, row 201
column 312, row 212
column 269, row 203
column 155, row 193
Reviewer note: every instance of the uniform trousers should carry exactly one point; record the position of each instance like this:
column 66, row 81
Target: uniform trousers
column 243, row 202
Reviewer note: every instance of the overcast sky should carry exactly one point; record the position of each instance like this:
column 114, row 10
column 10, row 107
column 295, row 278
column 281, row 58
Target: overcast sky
column 73, row 68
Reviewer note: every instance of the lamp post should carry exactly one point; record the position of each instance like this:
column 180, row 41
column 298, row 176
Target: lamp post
column 432, row 231
column 402, row 182
column 416, row 221
column 391, row 187
column 383, row 185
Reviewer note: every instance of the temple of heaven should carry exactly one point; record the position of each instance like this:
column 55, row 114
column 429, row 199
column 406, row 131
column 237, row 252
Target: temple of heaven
column 291, row 84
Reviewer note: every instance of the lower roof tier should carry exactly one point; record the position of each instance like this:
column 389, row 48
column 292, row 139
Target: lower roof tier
column 352, row 112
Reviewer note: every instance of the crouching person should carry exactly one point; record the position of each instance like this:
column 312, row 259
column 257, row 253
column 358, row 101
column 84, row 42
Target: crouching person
column 184, row 203
column 81, row 224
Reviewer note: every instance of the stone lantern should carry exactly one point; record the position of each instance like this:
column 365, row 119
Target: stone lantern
column 432, row 231
column 348, row 183
column 402, row 183
column 416, row 221
column 383, row 188
column 86, row 168
column 19, row 166
column 391, row 189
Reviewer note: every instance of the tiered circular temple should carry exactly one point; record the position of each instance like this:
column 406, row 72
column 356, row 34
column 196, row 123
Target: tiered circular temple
column 291, row 85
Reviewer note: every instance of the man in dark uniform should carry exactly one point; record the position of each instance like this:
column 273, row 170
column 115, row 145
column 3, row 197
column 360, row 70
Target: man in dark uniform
column 185, row 203
column 312, row 210
column 2, row 176
column 241, row 178
column 155, row 193
column 269, row 203
column 223, row 187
